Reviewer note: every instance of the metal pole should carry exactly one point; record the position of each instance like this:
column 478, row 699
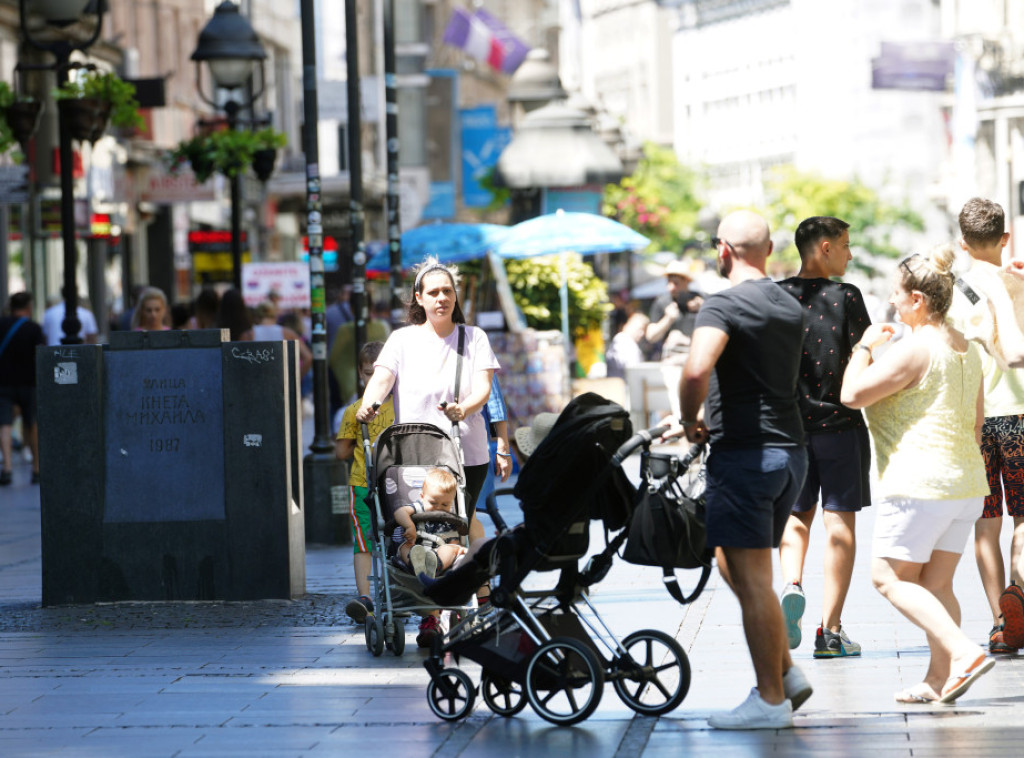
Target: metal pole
column 355, row 173
column 231, row 109
column 323, row 474
column 71, row 325
column 391, row 132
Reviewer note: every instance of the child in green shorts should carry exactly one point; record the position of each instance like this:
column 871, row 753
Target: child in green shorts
column 349, row 444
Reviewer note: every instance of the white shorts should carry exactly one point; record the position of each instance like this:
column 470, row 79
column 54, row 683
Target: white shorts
column 910, row 529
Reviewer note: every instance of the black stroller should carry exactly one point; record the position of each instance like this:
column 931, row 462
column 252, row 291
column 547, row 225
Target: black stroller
column 550, row 648
column 404, row 453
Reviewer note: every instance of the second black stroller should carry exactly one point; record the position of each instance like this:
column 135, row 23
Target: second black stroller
column 550, row 648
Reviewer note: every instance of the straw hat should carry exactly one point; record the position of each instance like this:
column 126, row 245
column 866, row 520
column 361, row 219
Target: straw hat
column 528, row 437
column 683, row 268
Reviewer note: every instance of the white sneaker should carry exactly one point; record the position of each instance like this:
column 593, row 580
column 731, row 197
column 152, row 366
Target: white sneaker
column 754, row 713
column 796, row 687
column 793, row 602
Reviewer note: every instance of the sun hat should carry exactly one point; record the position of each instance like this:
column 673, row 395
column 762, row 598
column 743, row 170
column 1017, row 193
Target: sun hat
column 679, row 268
column 528, row 437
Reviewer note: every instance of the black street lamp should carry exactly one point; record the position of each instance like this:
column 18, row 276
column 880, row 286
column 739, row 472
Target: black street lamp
column 59, row 14
column 231, row 48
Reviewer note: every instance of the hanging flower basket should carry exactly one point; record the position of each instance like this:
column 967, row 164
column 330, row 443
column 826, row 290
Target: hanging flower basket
column 229, row 152
column 104, row 97
column 86, row 117
column 263, row 163
column 23, row 119
column 19, row 118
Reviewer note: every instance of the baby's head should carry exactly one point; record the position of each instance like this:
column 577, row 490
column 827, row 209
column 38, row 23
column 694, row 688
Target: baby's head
column 439, row 486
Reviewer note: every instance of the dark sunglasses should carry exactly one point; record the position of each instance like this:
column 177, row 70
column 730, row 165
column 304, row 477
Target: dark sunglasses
column 716, row 241
column 904, row 264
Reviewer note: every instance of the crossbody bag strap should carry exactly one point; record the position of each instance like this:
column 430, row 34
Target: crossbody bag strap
column 968, row 291
column 458, row 361
column 672, row 584
column 10, row 333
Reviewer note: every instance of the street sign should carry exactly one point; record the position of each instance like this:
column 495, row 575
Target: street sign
column 13, row 184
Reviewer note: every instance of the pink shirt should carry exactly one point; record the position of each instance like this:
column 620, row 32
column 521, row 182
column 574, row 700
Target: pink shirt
column 424, row 369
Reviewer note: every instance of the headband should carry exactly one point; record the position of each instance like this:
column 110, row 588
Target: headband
column 435, row 266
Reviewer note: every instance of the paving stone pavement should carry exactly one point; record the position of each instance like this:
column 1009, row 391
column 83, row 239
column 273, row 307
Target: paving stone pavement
column 294, row 678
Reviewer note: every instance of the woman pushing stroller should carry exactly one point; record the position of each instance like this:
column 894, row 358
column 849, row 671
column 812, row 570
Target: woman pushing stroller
column 439, row 371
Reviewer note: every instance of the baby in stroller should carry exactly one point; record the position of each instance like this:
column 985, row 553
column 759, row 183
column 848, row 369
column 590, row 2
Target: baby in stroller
column 435, row 546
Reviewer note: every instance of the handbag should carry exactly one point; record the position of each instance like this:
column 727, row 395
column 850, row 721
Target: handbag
column 667, row 530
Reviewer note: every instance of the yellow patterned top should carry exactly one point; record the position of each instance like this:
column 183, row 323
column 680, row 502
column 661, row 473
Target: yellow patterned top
column 924, row 436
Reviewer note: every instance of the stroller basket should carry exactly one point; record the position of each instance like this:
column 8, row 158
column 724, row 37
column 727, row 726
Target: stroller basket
column 504, row 647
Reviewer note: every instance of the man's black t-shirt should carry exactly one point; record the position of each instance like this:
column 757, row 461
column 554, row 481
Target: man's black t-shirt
column 752, row 397
column 835, row 317
column 18, row 361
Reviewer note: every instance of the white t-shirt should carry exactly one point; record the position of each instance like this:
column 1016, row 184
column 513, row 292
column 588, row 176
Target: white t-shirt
column 424, row 369
column 53, row 317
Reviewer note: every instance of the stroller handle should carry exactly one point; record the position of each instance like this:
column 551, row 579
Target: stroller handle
column 367, row 444
column 643, row 437
column 691, row 455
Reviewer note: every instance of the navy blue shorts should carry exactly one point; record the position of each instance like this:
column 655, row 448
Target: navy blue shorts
column 750, row 494
column 25, row 398
column 839, row 469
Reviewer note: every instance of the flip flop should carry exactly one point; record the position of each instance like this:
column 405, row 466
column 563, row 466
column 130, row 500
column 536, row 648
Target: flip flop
column 958, row 685
column 919, row 694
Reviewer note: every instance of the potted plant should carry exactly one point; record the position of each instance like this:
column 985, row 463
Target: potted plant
column 228, row 152
column 267, row 143
column 19, row 117
column 93, row 99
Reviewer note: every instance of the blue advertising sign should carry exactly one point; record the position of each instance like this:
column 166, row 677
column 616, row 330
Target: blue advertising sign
column 482, row 143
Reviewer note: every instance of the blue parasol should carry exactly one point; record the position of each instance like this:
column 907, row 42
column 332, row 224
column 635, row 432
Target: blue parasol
column 583, row 233
column 451, row 243
column 563, row 232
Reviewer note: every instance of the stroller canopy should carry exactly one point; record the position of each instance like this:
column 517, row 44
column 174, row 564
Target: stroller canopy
column 570, row 474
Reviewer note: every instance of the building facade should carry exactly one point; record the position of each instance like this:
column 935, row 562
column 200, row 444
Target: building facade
column 764, row 83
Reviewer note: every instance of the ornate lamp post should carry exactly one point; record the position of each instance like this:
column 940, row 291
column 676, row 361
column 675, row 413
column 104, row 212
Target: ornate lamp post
column 60, row 14
column 233, row 51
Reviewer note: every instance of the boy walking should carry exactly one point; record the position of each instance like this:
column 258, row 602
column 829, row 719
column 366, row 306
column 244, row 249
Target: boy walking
column 349, row 444
column 838, row 448
column 976, row 315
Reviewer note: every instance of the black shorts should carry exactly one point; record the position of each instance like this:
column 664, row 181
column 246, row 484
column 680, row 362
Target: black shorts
column 839, row 469
column 25, row 398
column 750, row 494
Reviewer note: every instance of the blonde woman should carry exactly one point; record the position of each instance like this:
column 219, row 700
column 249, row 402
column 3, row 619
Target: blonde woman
column 152, row 314
column 923, row 401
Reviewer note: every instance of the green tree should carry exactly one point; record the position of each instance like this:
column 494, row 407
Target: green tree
column 535, row 284
column 793, row 195
column 659, row 200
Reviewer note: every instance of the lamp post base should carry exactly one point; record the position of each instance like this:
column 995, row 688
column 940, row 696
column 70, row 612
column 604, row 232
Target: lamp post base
column 325, row 484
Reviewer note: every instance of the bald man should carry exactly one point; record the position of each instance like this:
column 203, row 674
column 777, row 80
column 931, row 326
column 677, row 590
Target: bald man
column 744, row 360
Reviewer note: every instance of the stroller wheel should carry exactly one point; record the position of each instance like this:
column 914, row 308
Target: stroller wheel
column 564, row 681
column 397, row 642
column 503, row 696
column 654, row 675
column 374, row 632
column 451, row 694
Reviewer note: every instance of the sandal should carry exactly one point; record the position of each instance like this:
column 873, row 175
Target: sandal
column 958, row 685
column 919, row 694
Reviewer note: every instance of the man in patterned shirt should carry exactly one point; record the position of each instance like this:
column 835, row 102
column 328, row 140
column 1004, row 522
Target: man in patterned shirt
column 838, row 448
